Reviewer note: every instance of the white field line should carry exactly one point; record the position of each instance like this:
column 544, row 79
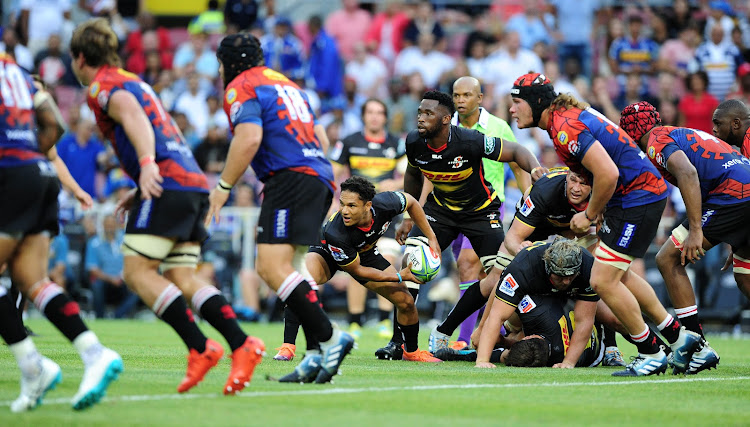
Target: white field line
column 321, row 390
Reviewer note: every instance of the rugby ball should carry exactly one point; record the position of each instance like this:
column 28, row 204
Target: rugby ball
column 425, row 263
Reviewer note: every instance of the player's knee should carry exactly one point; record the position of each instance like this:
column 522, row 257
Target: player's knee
column 667, row 256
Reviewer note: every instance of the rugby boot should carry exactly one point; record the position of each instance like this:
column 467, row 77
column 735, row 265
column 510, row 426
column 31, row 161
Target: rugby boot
column 333, row 355
column 437, row 341
column 682, row 349
column 36, row 382
column 613, row 357
column 286, row 352
column 643, row 365
column 244, row 361
column 306, row 371
column 391, row 351
column 96, row 378
column 199, row 364
column 420, row 356
column 705, row 358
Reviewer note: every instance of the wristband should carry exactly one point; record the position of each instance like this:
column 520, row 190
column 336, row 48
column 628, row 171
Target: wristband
column 399, row 277
column 146, row 160
column 532, row 171
column 406, row 215
column 586, row 214
column 224, row 185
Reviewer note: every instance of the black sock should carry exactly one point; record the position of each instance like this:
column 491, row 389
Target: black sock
column 609, row 337
column 11, row 326
column 397, row 337
column 672, row 330
column 312, row 341
column 356, row 318
column 471, row 301
column 383, row 315
column 411, row 337
column 65, row 314
column 180, row 318
column 650, row 345
column 291, row 326
column 692, row 323
column 217, row 311
column 304, row 302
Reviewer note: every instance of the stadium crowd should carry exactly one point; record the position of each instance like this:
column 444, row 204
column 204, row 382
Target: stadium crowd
column 684, row 57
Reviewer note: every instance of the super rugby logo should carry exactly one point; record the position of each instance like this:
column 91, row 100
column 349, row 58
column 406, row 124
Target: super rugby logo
column 447, row 176
column 526, row 304
column 337, row 253
column 457, row 162
column 509, row 285
column 527, row 207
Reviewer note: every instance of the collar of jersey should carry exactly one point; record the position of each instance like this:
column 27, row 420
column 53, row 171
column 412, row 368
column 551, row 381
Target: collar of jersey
column 369, row 227
column 442, row 147
column 483, row 122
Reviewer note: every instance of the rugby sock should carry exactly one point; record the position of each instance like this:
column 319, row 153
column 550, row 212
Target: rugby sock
column 172, row 308
column 411, row 337
column 670, row 328
column 27, row 357
column 213, row 307
column 11, row 326
column 291, row 326
column 471, row 301
column 646, row 342
column 468, row 325
column 356, row 318
column 383, row 315
column 397, row 337
column 659, row 342
column 57, row 306
column 689, row 318
column 303, row 300
column 609, row 337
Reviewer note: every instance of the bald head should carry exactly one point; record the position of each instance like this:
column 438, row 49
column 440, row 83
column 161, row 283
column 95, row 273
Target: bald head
column 731, row 121
column 467, row 95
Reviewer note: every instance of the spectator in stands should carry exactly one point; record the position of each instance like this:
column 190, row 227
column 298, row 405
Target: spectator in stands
column 211, row 154
column 720, row 61
column 348, row 26
column 153, row 68
column 283, row 50
column 191, row 137
column 575, row 30
column 633, row 53
column 164, row 87
column 532, row 26
column 196, row 55
column 424, row 22
column 506, row 64
column 210, row 21
column 118, row 183
column 369, row 72
column 325, row 67
column 632, row 92
column 247, row 278
column 348, row 123
column 676, row 54
column 354, row 99
column 720, row 14
column 475, row 52
column 404, row 111
column 216, row 115
column 697, row 106
column 267, row 16
column 104, row 266
column 192, row 103
column 145, row 38
column 53, row 64
column 20, row 53
column 41, row 19
column 678, row 17
column 743, row 87
column 425, row 60
column 83, row 154
column 385, row 36
column 58, row 260
column 240, row 15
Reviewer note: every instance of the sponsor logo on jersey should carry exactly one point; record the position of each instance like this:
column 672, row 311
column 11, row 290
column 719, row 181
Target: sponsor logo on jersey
column 660, row 160
column 234, row 110
column 337, row 253
column 281, row 223
column 605, row 227
column 526, row 304
column 376, row 163
column 651, row 152
column 627, row 235
column 457, row 162
column 402, row 199
column 733, row 162
column 103, row 98
column 231, row 95
column 562, row 137
column 437, row 156
column 573, row 147
column 489, row 144
column 448, row 176
column 94, row 89
column 390, row 153
column 274, row 75
column 358, row 150
column 527, row 207
column 508, row 286
column 706, row 216
column 564, row 333
column 336, row 151
column 430, row 218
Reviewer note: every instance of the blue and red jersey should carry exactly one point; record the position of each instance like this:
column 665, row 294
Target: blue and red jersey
column 268, row 99
column 18, row 142
column 574, row 131
column 176, row 162
column 723, row 173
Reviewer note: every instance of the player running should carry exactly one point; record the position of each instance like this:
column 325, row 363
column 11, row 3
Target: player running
column 275, row 132
column 634, row 195
column 165, row 223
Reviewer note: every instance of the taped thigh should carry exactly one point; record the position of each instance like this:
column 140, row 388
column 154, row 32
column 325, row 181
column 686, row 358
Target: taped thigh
column 147, row 245
column 609, row 256
column 184, row 255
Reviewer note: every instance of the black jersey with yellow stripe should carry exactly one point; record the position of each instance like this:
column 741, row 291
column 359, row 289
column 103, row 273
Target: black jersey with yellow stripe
column 455, row 169
column 346, row 243
column 546, row 207
column 371, row 159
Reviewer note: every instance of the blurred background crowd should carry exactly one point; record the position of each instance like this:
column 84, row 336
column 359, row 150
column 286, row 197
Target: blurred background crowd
column 682, row 56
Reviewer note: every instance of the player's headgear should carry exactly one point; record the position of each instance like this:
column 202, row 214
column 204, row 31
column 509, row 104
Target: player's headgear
column 639, row 118
column 537, row 90
column 239, row 52
column 563, row 257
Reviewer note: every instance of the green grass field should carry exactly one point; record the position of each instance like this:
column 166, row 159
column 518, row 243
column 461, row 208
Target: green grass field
column 372, row 392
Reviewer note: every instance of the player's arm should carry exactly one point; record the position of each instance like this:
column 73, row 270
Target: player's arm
column 320, row 133
column 523, row 179
column 413, row 183
column 67, row 180
column 605, row 172
column 517, row 234
column 499, row 313
column 50, row 122
column 356, row 269
column 687, row 181
column 585, row 312
column 515, row 152
column 125, row 109
column 417, row 215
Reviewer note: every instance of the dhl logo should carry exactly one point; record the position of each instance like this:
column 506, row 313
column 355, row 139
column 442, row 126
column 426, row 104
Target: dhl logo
column 377, row 163
column 448, row 176
column 565, row 334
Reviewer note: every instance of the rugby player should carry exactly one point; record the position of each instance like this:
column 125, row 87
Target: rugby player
column 731, row 123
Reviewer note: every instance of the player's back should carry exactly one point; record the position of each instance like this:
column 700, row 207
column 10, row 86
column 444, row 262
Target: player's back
column 573, row 131
column 374, row 160
column 547, row 198
column 175, row 159
column 18, row 142
column 723, row 173
column 545, row 315
column 267, row 98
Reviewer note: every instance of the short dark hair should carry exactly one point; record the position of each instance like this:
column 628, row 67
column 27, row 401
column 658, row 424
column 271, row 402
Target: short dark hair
column 369, row 100
column 356, row 184
column 701, row 75
column 442, row 98
column 734, row 108
column 528, row 353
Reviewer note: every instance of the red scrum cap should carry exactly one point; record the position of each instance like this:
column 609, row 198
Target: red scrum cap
column 639, row 118
column 537, row 90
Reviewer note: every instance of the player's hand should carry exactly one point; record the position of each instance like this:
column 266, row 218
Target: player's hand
column 563, row 365
column 692, row 248
column 150, row 181
column 84, row 199
column 538, row 172
column 475, row 337
column 434, row 245
column 729, row 262
column 217, row 199
column 408, row 276
column 485, row 365
column 403, row 230
column 525, row 244
column 579, row 223
column 124, row 204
